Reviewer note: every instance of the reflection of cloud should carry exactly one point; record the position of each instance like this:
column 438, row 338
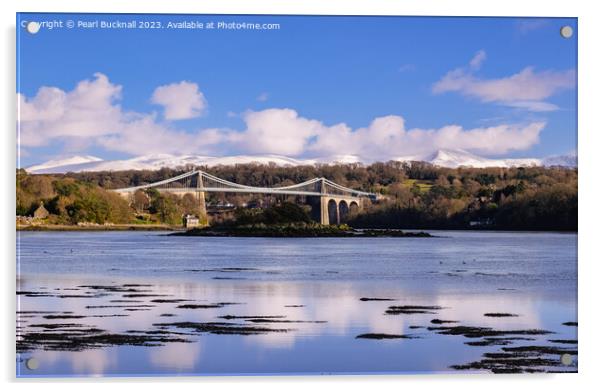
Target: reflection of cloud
column 94, row 361
column 176, row 356
column 335, row 302
column 470, row 310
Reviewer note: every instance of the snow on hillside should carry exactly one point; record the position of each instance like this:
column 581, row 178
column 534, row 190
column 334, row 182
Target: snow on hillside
column 443, row 158
column 155, row 162
column 59, row 163
column 457, row 158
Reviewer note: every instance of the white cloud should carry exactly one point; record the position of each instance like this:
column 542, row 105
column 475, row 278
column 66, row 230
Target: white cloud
column 478, row 60
column 87, row 111
column 532, row 105
column 90, row 114
column 387, row 138
column 143, row 135
column 181, row 100
column 280, row 131
column 526, row 89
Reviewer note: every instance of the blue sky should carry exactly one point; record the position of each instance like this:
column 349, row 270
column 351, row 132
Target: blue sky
column 375, row 87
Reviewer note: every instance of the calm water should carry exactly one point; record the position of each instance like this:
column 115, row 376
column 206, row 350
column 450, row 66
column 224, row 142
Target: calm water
column 317, row 283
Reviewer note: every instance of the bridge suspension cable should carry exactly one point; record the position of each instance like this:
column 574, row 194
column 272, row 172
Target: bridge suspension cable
column 198, row 180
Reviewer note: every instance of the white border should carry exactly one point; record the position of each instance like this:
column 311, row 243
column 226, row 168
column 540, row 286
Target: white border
column 590, row 190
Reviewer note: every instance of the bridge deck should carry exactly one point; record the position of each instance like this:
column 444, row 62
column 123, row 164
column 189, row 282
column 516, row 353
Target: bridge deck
column 250, row 190
column 204, row 182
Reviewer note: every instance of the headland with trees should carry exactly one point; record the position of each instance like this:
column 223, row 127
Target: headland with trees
column 415, row 196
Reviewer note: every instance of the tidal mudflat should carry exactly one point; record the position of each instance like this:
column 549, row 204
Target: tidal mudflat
column 141, row 303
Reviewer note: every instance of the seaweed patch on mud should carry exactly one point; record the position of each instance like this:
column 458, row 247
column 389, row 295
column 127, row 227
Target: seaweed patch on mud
column 385, row 336
column 200, row 306
column 564, row 341
column 375, row 299
column 121, row 306
column 268, row 319
column 478, row 332
column 34, row 294
column 500, row 315
column 412, row 309
column 221, row 328
column 521, row 359
column 63, row 316
column 263, row 320
column 78, row 340
column 223, row 270
column 497, row 341
column 81, row 316
column 229, row 317
column 442, row 321
column 117, row 288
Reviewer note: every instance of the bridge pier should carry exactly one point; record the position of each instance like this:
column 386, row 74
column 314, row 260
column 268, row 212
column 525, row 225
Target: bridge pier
column 203, row 219
column 334, row 210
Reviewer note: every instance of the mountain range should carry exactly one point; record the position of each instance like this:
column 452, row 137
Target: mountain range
column 444, row 158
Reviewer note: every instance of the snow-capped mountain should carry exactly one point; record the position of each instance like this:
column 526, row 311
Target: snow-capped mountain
column 50, row 165
column 443, row 158
column 456, row 158
column 155, row 162
column 561, row 160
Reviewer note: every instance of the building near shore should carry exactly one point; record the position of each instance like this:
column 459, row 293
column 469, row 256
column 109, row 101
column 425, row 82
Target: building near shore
column 41, row 213
column 191, row 221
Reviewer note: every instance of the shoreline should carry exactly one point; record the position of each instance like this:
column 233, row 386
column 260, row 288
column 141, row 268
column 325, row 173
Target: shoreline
column 114, row 227
column 299, row 231
column 158, row 227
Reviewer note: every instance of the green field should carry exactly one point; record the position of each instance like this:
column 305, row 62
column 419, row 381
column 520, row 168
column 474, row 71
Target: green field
column 423, row 185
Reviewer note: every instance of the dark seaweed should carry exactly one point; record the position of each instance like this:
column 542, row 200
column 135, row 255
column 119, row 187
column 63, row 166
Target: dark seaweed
column 222, row 328
column 375, row 299
column 200, row 306
column 478, row 332
column 385, row 336
column 441, row 321
column 412, row 309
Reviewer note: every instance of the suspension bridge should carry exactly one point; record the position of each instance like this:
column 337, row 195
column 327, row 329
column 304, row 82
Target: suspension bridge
column 336, row 201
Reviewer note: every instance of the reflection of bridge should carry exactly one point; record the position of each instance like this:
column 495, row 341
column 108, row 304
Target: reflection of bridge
column 336, row 201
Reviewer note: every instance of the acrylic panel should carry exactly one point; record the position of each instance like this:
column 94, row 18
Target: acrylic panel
column 288, row 194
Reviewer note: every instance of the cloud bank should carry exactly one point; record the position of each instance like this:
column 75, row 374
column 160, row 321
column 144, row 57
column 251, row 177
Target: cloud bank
column 91, row 114
column 526, row 89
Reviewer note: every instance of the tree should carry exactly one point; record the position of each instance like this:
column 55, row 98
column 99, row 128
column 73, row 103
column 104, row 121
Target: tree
column 166, row 207
column 140, row 201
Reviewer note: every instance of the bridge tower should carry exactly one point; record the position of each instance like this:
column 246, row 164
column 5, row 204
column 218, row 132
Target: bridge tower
column 336, row 202
column 324, row 217
column 200, row 196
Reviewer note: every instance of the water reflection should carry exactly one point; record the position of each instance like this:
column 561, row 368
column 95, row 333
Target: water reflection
column 286, row 322
column 336, row 305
